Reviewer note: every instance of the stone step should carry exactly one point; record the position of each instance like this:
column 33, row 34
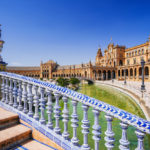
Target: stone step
column 7, row 119
column 13, row 136
column 33, row 145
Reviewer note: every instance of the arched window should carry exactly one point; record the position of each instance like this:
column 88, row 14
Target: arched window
column 131, row 72
column 135, row 72
column 120, row 63
column 146, row 71
column 122, row 72
column 119, row 73
column 140, row 71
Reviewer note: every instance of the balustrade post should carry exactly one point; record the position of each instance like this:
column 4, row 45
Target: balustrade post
column 42, row 106
column 74, row 121
column 109, row 138
column 140, row 136
column 85, row 127
column 49, row 109
column 65, row 116
column 3, row 88
column 57, row 113
column 20, row 96
column 7, row 91
column 124, row 143
column 30, row 100
column 36, row 103
column 24, row 95
column 11, row 92
column 15, row 105
column 96, row 129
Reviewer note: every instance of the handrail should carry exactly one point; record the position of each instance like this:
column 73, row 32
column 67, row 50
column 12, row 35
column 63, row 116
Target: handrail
column 139, row 123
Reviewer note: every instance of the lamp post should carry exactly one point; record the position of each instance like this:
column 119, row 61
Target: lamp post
column 125, row 76
column 142, row 65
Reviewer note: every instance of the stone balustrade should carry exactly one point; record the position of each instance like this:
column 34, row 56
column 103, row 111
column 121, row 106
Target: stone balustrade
column 32, row 99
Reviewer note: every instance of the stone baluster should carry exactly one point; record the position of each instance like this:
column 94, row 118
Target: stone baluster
column 20, row 96
column 49, row 109
column 124, row 143
column 65, row 116
column 7, row 91
column 24, row 95
column 74, row 121
column 42, row 106
column 3, row 89
column 11, row 92
column 15, row 105
column 109, row 138
column 140, row 136
column 96, row 129
column 30, row 100
column 57, row 113
column 36, row 103
column 85, row 127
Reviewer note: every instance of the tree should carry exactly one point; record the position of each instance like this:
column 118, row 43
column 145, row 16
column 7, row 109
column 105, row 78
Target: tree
column 74, row 81
column 63, row 82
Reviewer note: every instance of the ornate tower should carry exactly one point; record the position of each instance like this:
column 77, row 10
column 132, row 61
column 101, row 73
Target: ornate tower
column 98, row 56
column 2, row 63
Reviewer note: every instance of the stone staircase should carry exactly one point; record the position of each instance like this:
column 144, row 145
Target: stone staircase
column 14, row 135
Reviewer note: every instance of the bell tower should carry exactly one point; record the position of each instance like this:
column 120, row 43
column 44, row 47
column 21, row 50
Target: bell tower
column 2, row 63
column 98, row 56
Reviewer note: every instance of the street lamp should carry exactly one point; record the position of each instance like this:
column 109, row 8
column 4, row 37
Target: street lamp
column 125, row 76
column 142, row 64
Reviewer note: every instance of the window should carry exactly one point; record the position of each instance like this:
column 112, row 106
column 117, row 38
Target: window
column 134, row 61
column 132, row 53
column 139, row 52
column 142, row 51
column 135, row 52
column 128, row 62
column 127, row 54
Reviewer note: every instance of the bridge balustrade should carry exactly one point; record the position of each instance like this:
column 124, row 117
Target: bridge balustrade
column 32, row 99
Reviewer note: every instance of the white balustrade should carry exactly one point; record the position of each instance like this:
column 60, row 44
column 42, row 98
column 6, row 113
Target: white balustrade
column 22, row 93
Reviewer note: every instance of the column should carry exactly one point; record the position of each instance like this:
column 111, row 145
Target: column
column 30, row 100
column 140, row 136
column 11, row 92
column 65, row 116
column 42, row 106
column 57, row 113
column 124, row 143
column 49, row 109
column 24, row 96
column 6, row 91
column 36, row 103
column 85, row 127
column 20, row 96
column 74, row 121
column 109, row 138
column 96, row 129
column 15, row 105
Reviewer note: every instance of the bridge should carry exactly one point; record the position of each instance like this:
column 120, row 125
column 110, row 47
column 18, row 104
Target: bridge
column 32, row 101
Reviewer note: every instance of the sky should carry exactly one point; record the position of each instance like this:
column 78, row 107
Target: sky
column 69, row 31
